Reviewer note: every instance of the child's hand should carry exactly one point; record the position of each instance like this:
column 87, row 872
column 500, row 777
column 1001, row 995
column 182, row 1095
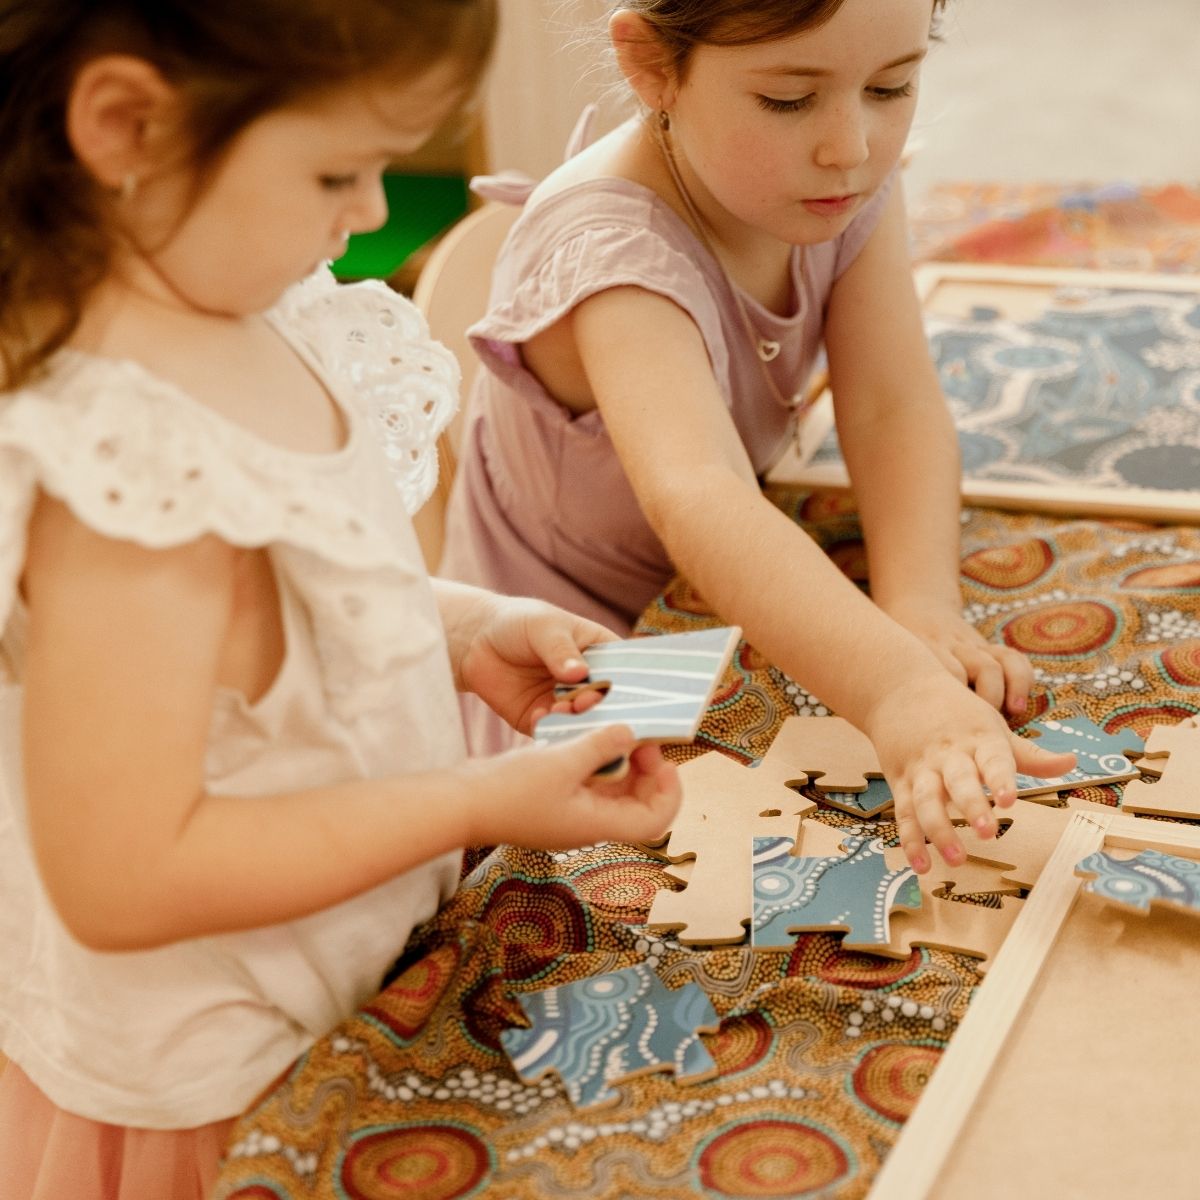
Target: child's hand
column 544, row 797
column 940, row 744
column 519, row 649
column 1001, row 675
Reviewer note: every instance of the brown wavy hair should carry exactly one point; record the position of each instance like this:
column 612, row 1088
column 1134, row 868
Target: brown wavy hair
column 682, row 25
column 232, row 61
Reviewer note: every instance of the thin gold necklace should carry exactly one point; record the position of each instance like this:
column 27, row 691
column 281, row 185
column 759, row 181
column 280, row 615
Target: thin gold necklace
column 765, row 350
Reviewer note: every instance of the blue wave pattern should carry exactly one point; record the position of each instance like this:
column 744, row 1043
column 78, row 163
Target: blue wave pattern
column 659, row 686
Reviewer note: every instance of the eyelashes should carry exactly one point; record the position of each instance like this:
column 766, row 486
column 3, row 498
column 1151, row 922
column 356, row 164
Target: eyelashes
column 775, row 105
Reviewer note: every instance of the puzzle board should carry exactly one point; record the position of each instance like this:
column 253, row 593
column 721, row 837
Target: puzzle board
column 1072, row 391
column 1065, row 1077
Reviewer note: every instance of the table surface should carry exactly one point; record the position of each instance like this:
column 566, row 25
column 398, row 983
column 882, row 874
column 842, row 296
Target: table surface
column 821, row 1052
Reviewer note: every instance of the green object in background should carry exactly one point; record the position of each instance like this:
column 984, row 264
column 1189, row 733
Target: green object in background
column 419, row 208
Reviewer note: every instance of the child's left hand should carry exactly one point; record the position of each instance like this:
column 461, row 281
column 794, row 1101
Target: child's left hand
column 999, row 674
column 519, row 649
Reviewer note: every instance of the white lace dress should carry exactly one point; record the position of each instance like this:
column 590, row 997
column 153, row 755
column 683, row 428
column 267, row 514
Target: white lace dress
column 191, row 1033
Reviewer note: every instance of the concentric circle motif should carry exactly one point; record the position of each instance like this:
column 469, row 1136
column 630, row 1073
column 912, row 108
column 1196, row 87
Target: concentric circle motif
column 1181, row 664
column 1173, row 577
column 536, row 924
column 772, row 1157
column 625, row 889
column 404, row 1007
column 258, row 1191
column 820, row 955
column 1004, row 568
column 740, row 1044
column 415, row 1162
column 889, row 1079
column 1073, row 630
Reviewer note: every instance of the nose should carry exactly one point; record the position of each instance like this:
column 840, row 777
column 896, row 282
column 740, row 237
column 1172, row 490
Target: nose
column 370, row 207
column 842, row 137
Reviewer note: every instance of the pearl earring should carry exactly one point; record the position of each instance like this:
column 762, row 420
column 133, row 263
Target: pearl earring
column 664, row 120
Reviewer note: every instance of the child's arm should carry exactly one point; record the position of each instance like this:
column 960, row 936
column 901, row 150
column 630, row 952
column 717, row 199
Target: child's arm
column 649, row 372
column 902, row 454
column 125, row 648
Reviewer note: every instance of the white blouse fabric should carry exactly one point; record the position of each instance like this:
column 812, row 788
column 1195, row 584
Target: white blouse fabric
column 190, row 1033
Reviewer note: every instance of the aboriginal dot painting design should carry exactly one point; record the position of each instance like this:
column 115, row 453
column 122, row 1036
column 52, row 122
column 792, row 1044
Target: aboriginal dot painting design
column 1150, row 878
column 1102, row 391
column 598, row 1031
column 855, row 892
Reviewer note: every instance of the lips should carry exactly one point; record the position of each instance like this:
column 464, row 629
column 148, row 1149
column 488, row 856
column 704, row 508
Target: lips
column 831, row 206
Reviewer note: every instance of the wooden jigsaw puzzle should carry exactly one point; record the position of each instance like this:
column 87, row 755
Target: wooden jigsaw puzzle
column 1150, row 878
column 1070, row 390
column 597, row 1032
column 658, row 686
column 855, row 892
column 1177, row 792
column 1100, row 756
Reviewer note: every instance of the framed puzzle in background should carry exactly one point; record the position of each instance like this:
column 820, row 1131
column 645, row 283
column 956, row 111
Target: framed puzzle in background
column 1072, row 391
column 1073, row 1072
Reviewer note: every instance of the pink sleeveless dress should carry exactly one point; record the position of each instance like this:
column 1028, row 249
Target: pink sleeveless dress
column 541, row 505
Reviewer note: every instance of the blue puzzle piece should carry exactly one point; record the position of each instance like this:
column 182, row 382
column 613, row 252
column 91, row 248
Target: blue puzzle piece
column 597, row 1031
column 1099, row 755
column 876, row 798
column 1150, row 878
column 855, row 892
column 659, row 686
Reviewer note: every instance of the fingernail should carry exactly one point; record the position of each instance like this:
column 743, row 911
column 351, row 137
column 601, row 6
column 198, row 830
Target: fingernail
column 573, row 664
column 984, row 825
column 954, row 855
column 1020, row 705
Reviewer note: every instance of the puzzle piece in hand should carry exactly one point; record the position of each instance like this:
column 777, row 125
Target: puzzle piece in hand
column 1177, row 793
column 600, row 1031
column 856, row 892
column 658, row 686
column 1100, row 756
column 724, row 805
column 1150, row 878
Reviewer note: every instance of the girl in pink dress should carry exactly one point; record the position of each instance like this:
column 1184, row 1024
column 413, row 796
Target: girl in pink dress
column 232, row 774
column 656, row 312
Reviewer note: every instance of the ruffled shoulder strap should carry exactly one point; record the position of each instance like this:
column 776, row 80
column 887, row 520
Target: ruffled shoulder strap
column 376, row 349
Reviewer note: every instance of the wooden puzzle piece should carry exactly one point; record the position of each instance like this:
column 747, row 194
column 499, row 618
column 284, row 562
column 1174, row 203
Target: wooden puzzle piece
column 975, row 930
column 603, row 1030
column 1031, row 833
column 1101, row 757
column 876, row 798
column 1150, row 878
column 724, row 805
column 658, row 686
column 855, row 892
column 831, row 752
column 1177, row 792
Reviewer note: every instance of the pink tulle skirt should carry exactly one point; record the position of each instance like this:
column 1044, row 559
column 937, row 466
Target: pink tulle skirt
column 47, row 1153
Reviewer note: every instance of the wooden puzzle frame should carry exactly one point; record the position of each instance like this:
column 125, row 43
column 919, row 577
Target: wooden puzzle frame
column 1031, row 1100
column 951, row 289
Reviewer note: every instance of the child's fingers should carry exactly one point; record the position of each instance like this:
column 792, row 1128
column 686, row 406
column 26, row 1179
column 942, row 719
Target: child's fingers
column 995, row 763
column 929, row 804
column 912, row 839
column 1033, row 760
column 965, row 789
column 1018, row 678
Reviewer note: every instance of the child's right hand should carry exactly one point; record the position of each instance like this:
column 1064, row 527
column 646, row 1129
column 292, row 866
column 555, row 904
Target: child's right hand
column 544, row 797
column 938, row 743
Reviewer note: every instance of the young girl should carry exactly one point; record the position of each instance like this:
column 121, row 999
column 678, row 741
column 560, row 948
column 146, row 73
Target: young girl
column 233, row 776
column 656, row 311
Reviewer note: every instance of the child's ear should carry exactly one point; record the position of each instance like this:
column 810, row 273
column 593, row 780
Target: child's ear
column 116, row 115
column 643, row 59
